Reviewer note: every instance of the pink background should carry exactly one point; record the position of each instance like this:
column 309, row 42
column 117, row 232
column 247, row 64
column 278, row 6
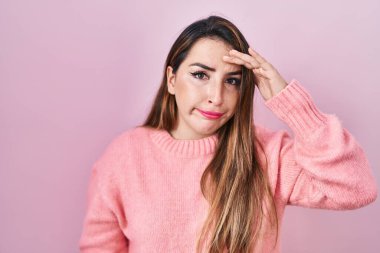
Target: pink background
column 74, row 74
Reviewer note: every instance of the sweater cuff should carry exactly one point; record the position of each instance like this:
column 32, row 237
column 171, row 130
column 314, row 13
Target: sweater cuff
column 294, row 106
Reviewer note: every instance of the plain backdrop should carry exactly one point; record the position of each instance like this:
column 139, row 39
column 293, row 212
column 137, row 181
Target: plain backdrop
column 74, row 74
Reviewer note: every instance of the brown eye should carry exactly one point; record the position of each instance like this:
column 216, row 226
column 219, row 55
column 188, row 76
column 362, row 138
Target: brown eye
column 234, row 81
column 198, row 75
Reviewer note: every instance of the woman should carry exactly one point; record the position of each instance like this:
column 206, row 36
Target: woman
column 200, row 176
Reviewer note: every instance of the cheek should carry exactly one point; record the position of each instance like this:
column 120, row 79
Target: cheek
column 233, row 100
column 188, row 92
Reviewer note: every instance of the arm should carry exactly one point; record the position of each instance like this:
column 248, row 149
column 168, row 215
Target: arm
column 323, row 166
column 101, row 227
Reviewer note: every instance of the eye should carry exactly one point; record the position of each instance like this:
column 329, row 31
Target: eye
column 234, row 81
column 198, row 74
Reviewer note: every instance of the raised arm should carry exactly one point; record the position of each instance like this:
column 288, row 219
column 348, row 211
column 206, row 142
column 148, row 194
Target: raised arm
column 322, row 166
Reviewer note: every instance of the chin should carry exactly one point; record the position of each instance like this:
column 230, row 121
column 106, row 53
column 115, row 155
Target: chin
column 208, row 130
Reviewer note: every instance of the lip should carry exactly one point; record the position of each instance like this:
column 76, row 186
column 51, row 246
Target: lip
column 210, row 114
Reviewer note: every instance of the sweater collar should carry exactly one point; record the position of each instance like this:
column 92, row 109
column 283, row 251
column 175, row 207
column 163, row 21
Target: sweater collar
column 186, row 148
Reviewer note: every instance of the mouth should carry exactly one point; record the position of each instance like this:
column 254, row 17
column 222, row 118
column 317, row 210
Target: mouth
column 210, row 114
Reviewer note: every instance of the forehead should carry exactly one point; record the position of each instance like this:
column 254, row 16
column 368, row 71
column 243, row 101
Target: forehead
column 210, row 52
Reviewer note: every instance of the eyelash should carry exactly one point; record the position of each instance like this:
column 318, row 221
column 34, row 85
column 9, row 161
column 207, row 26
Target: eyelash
column 237, row 81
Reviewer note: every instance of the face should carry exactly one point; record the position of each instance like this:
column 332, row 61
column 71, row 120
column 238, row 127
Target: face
column 204, row 82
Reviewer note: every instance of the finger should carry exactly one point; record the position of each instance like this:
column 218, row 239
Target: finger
column 237, row 61
column 255, row 54
column 246, row 57
column 259, row 72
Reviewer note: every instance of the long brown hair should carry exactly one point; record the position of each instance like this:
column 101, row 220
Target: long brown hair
column 235, row 182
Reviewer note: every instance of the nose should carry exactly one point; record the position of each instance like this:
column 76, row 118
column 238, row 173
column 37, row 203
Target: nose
column 215, row 93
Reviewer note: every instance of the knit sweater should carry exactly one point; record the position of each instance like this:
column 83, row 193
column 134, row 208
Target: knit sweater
column 144, row 191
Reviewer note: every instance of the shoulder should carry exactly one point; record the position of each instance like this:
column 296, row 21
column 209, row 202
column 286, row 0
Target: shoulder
column 268, row 136
column 121, row 146
column 273, row 147
column 273, row 143
column 129, row 137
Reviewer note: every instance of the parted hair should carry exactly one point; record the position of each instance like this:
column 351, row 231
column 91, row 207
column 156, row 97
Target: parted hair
column 235, row 182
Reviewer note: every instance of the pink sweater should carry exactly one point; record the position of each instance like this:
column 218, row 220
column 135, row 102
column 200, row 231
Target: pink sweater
column 144, row 193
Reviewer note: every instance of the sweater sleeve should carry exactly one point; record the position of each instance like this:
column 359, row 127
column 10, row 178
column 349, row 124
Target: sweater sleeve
column 102, row 231
column 322, row 166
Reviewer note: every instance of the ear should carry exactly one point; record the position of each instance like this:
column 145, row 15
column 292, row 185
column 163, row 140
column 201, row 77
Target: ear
column 170, row 76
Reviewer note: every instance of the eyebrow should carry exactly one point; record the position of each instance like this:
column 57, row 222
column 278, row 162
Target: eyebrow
column 212, row 69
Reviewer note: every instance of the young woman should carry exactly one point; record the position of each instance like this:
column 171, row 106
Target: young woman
column 200, row 176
